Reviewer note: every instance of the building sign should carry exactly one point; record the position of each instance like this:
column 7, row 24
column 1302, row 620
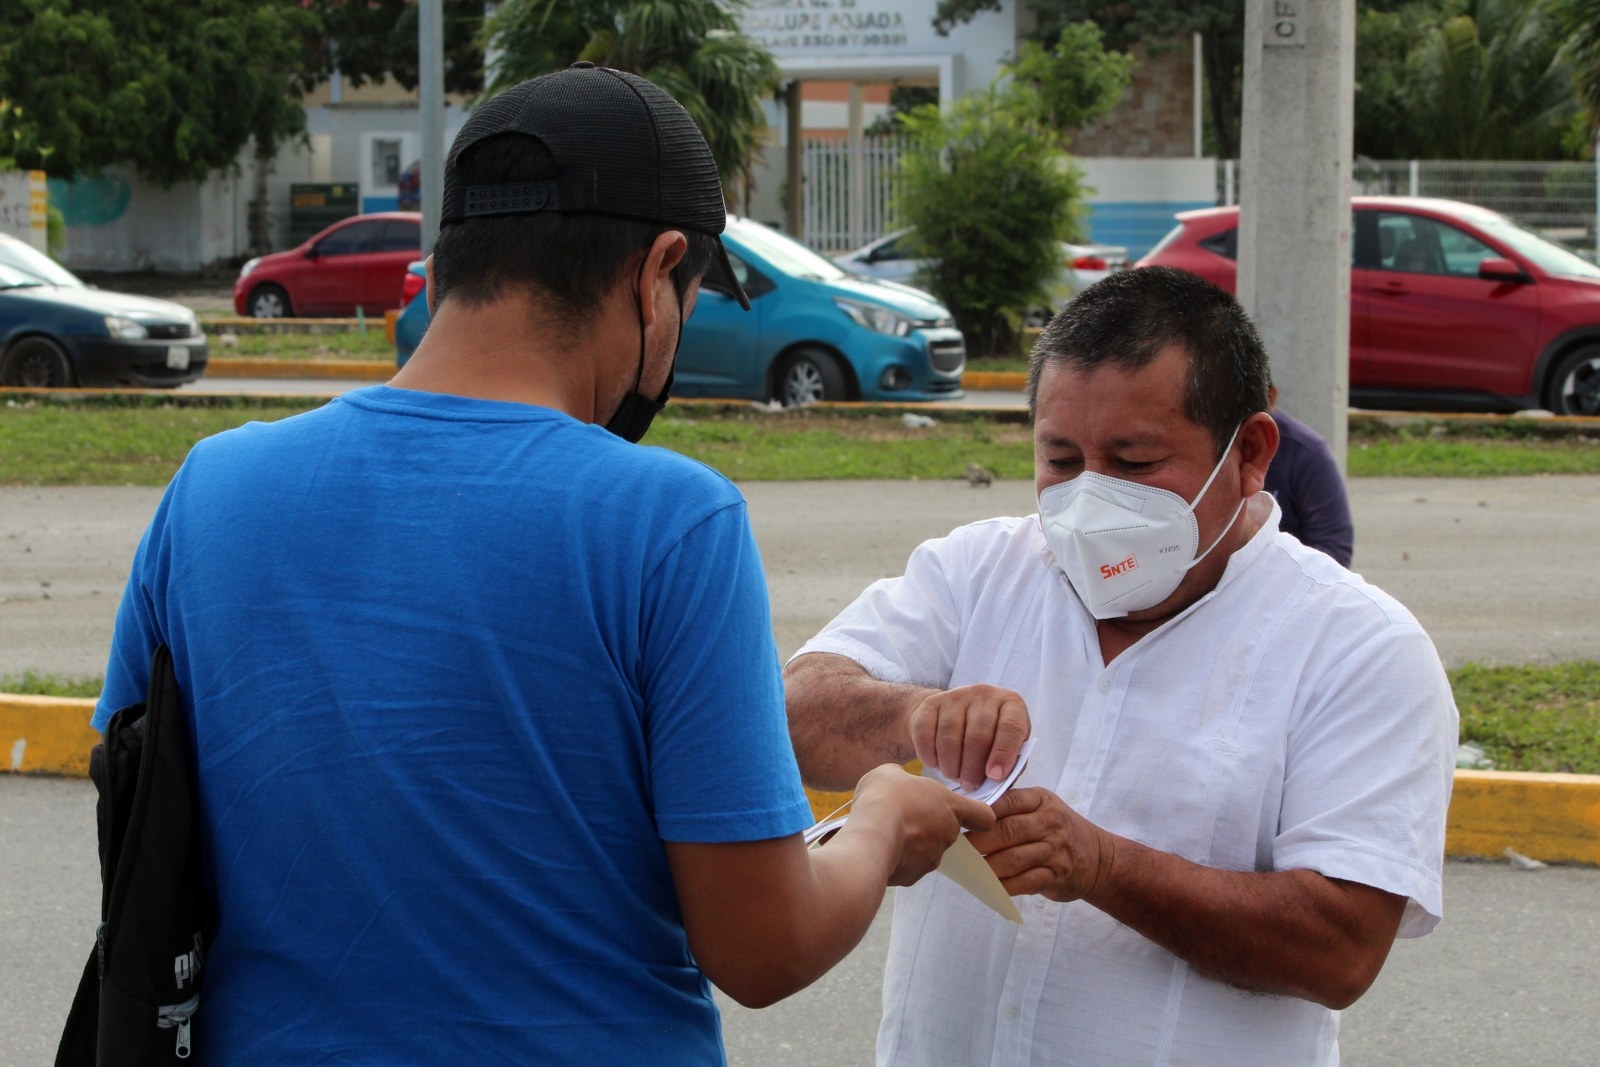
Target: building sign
column 1284, row 26
column 792, row 29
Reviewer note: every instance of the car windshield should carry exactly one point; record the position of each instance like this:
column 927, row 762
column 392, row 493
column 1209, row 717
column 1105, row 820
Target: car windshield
column 784, row 253
column 21, row 265
column 1547, row 255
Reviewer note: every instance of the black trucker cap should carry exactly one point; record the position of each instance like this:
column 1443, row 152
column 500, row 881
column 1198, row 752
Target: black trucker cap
column 622, row 147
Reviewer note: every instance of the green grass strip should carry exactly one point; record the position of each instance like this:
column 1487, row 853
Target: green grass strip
column 141, row 440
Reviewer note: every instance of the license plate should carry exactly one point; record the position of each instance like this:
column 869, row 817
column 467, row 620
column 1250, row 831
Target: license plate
column 177, row 357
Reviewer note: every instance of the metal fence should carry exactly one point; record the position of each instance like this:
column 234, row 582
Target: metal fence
column 1556, row 199
column 829, row 192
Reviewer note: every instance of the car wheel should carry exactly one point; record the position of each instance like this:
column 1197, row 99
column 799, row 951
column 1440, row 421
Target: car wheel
column 269, row 302
column 35, row 363
column 809, row 377
column 1575, row 386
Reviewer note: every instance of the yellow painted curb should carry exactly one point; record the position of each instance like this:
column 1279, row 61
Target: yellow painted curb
column 1012, row 381
column 370, row 370
column 1550, row 817
column 46, row 735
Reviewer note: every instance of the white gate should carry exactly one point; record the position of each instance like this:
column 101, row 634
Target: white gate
column 841, row 214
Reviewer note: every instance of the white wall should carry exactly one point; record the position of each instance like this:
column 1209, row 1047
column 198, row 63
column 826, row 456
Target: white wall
column 22, row 206
column 1132, row 201
column 118, row 221
column 881, row 40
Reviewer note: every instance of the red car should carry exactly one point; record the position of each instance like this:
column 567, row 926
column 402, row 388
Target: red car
column 357, row 263
column 1452, row 306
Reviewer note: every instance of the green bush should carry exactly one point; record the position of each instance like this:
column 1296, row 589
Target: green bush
column 990, row 191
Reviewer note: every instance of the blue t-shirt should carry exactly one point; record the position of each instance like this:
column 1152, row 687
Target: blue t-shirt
column 456, row 669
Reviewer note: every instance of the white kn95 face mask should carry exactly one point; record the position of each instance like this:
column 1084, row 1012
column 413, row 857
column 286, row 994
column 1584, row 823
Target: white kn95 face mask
column 1124, row 546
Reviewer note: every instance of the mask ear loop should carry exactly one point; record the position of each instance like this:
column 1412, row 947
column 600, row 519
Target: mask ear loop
column 638, row 378
column 638, row 287
column 1201, row 494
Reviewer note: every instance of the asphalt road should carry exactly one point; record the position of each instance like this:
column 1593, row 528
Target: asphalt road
column 1500, row 570
column 1509, row 978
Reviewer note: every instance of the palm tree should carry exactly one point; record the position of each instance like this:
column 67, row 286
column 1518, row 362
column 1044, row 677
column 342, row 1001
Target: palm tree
column 691, row 48
column 1493, row 83
column 1580, row 19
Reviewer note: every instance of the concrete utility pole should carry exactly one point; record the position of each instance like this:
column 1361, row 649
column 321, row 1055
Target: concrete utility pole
column 430, row 107
column 1294, row 211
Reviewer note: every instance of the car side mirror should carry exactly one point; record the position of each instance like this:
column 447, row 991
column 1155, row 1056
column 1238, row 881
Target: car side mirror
column 312, row 253
column 1500, row 269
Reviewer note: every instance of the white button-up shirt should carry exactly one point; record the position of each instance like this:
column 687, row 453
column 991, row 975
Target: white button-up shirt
column 1295, row 717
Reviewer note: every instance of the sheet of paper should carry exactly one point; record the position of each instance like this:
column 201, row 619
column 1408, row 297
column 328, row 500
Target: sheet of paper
column 963, row 866
column 989, row 790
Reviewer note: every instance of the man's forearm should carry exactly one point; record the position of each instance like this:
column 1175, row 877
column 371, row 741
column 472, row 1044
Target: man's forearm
column 843, row 722
column 1291, row 932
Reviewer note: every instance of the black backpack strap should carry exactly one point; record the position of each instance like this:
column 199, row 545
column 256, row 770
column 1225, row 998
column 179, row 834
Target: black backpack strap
column 154, row 910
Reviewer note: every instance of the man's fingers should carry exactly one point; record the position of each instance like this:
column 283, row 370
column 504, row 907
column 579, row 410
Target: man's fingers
column 1021, row 800
column 1010, row 731
column 974, row 814
column 977, row 744
column 970, row 733
column 951, row 740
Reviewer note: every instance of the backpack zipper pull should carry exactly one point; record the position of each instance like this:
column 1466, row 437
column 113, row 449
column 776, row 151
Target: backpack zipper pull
column 100, row 950
column 183, row 1037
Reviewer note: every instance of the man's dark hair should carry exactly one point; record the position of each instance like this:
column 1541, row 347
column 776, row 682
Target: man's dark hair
column 1131, row 316
column 574, row 259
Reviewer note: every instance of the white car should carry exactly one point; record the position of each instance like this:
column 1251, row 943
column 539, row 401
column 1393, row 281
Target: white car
column 890, row 258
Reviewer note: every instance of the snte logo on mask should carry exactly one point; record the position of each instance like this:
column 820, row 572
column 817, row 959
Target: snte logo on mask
column 1111, row 570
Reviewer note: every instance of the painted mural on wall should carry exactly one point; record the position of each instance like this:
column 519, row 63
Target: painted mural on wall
column 96, row 201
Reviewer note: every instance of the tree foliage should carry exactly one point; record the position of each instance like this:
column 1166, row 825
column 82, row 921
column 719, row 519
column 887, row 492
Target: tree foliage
column 990, row 191
column 1580, row 25
column 1463, row 79
column 174, row 87
column 1158, row 25
column 691, row 48
column 371, row 40
column 1076, row 80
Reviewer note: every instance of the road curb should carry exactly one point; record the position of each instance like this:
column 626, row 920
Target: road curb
column 996, row 380
column 369, row 370
column 1549, row 817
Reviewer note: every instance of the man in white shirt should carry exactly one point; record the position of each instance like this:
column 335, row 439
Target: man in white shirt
column 1243, row 752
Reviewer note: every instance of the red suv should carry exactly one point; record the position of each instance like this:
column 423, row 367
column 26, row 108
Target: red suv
column 1451, row 305
column 359, row 262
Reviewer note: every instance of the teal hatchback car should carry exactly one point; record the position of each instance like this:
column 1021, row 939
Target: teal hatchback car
column 813, row 332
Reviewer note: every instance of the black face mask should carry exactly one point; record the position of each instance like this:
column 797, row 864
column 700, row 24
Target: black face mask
column 631, row 421
column 633, row 416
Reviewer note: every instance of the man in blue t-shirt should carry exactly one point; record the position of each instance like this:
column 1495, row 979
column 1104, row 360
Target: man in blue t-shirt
column 488, row 720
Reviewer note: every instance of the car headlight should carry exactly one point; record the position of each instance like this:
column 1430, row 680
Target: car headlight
column 249, row 265
column 875, row 317
column 125, row 328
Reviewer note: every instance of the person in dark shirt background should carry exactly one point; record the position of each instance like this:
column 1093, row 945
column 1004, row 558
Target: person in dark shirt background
column 1305, row 480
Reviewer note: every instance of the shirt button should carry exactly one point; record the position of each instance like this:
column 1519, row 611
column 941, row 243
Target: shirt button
column 1105, row 685
column 1011, row 1011
column 1074, row 796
